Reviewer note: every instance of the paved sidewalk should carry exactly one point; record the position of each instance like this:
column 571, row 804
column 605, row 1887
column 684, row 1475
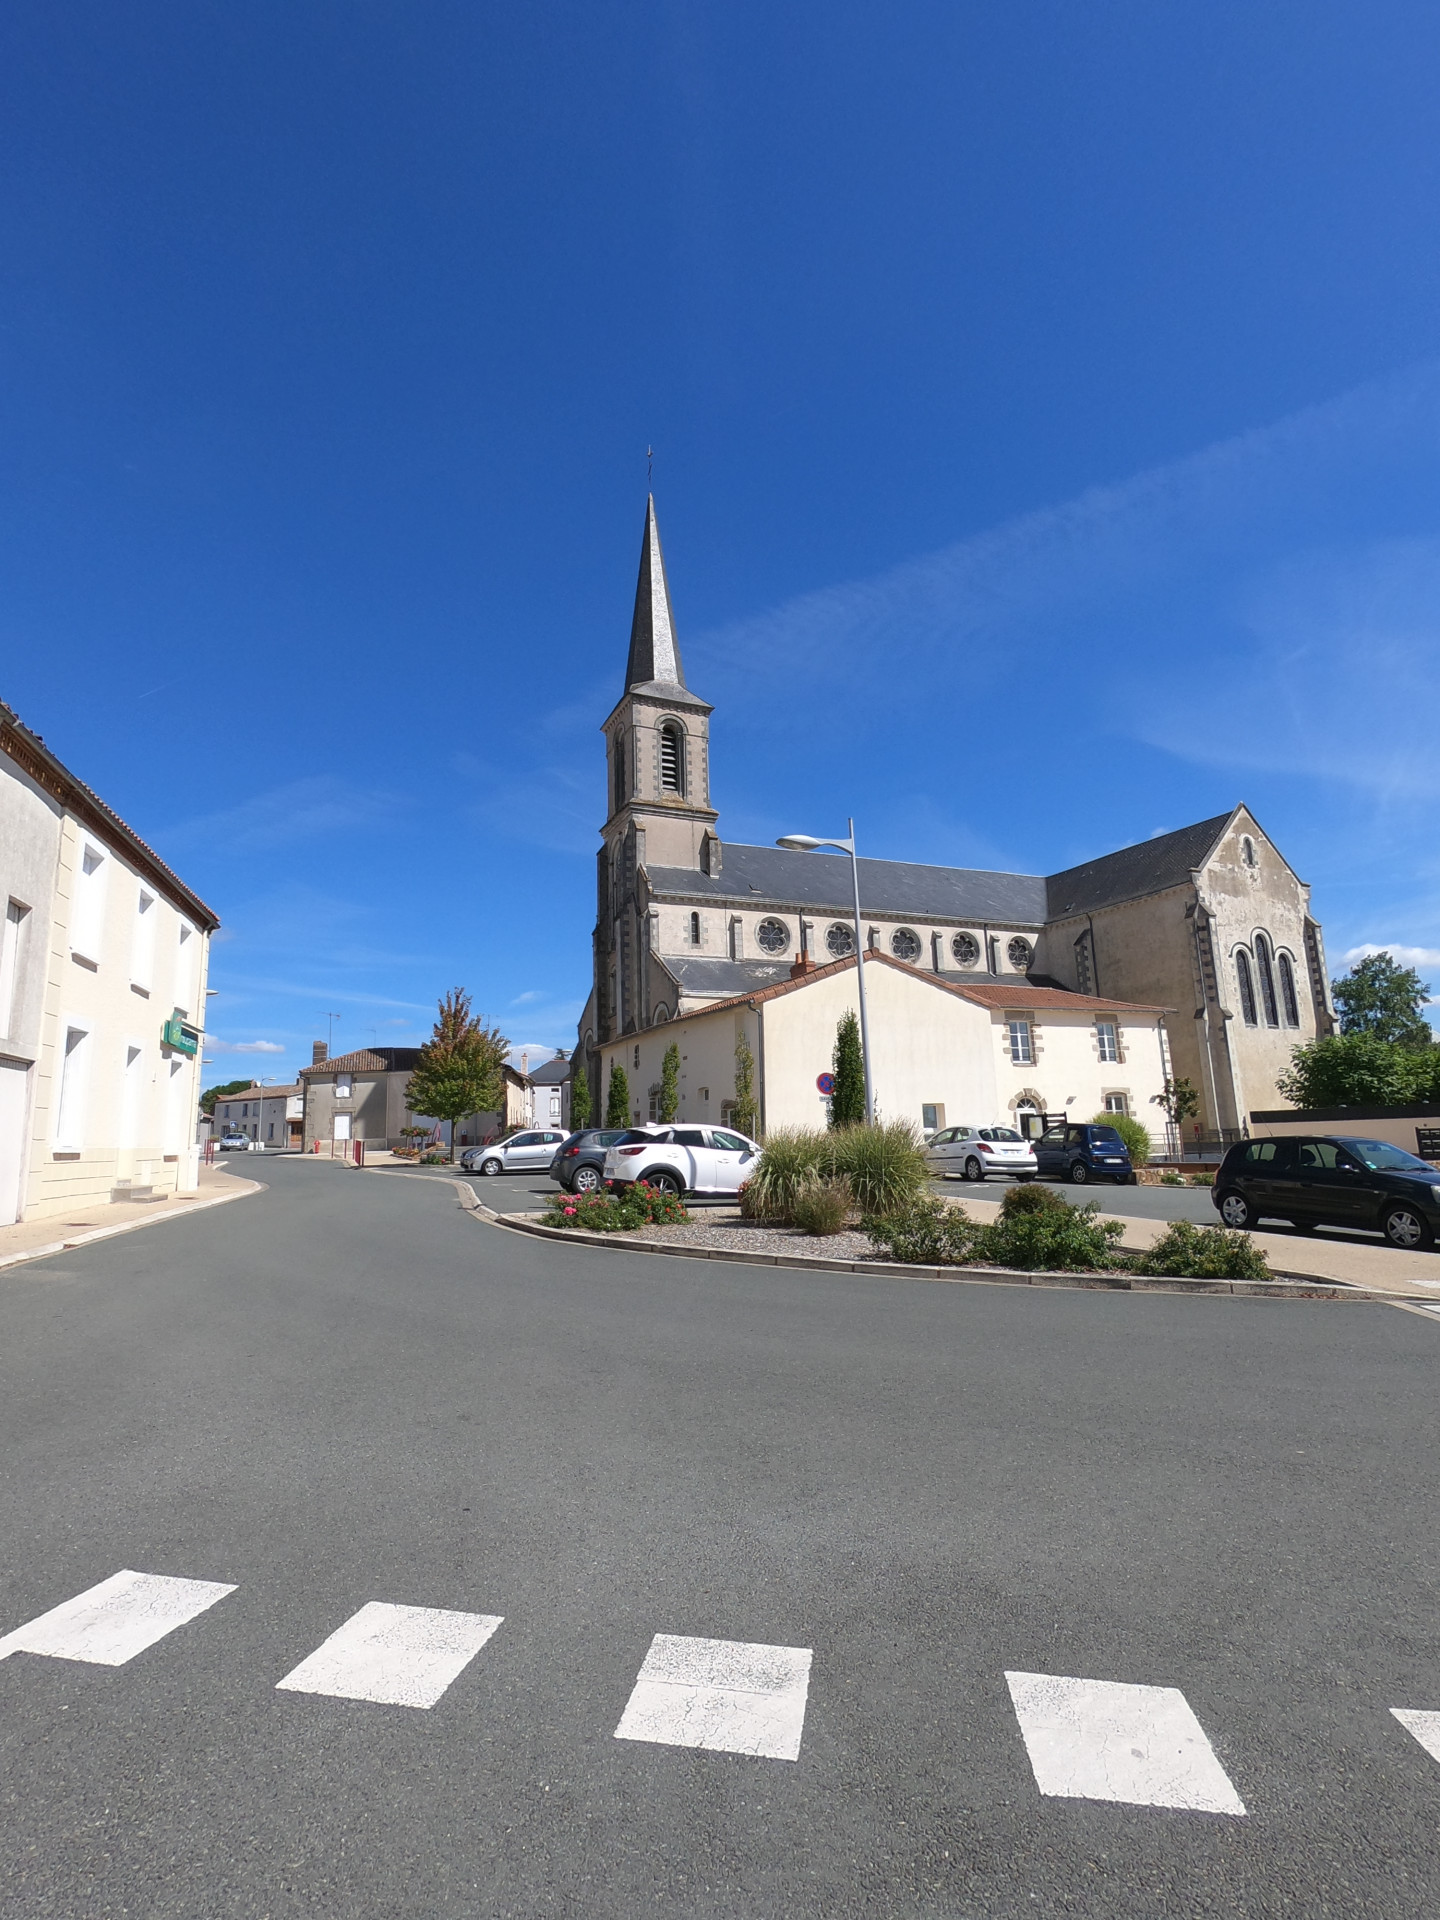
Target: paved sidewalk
column 33, row 1238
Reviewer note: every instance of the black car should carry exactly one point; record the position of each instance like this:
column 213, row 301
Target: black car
column 579, row 1165
column 1332, row 1179
column 1084, row 1153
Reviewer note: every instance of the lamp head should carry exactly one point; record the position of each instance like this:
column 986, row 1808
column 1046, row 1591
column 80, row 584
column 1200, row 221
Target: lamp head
column 798, row 843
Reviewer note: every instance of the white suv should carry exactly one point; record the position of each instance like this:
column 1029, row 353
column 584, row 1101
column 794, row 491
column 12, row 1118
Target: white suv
column 682, row 1159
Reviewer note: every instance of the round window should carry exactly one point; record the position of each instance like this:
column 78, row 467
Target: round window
column 905, row 944
column 840, row 940
column 773, row 936
column 966, row 949
column 1021, row 954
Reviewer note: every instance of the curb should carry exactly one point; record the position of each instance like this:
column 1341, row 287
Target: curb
column 243, row 1188
column 1284, row 1287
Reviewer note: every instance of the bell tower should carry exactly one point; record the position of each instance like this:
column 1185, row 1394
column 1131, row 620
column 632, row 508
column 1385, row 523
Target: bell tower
column 658, row 812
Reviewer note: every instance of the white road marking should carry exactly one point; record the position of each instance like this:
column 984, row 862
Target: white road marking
column 728, row 1696
column 109, row 1624
column 1424, row 1725
column 1100, row 1740
column 395, row 1656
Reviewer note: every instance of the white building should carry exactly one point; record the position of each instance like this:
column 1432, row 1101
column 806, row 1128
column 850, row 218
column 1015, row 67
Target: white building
column 102, row 991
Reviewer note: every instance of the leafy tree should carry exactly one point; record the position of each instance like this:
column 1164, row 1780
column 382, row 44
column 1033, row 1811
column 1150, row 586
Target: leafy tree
column 670, row 1082
column 1382, row 998
column 847, row 1103
column 744, row 1114
column 617, row 1099
column 212, row 1094
column 579, row 1094
column 461, row 1066
column 1360, row 1070
column 1180, row 1101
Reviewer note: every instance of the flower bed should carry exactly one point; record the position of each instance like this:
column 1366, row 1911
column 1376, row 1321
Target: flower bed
column 639, row 1206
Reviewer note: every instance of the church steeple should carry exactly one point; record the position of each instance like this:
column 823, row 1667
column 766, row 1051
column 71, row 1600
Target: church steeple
column 654, row 650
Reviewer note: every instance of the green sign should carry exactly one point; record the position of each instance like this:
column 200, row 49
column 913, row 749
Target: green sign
column 182, row 1038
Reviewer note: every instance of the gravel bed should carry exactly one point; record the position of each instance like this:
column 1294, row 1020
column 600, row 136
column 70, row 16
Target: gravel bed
column 723, row 1227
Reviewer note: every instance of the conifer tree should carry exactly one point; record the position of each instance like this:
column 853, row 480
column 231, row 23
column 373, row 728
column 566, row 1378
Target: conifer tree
column 847, row 1103
column 617, row 1099
column 579, row 1095
column 670, row 1083
column 744, row 1114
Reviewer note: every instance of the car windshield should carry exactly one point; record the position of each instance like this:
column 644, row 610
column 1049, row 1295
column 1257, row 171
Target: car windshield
column 1106, row 1137
column 1381, row 1157
column 999, row 1133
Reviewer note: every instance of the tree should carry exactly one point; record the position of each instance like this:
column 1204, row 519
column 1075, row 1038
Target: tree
column 744, row 1114
column 617, row 1099
column 670, row 1082
column 1133, row 1132
column 1180, row 1101
column 1380, row 997
column 579, row 1093
column 1360, row 1070
column 847, row 1103
column 461, row 1066
column 212, row 1094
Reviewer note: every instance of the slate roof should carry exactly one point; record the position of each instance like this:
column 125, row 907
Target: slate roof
column 364, row 1060
column 772, row 877
column 722, row 976
column 1150, row 867
column 554, row 1073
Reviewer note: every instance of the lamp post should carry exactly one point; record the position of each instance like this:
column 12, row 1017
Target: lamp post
column 805, row 843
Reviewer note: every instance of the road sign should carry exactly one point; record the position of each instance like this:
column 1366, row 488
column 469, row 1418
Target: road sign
column 826, row 1084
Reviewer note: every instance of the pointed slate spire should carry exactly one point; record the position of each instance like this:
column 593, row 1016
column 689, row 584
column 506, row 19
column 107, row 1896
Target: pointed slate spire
column 654, row 650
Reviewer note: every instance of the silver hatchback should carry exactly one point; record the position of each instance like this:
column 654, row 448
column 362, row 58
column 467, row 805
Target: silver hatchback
column 975, row 1152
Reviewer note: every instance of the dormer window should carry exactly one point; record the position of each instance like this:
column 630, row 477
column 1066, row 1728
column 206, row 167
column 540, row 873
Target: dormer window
column 672, row 758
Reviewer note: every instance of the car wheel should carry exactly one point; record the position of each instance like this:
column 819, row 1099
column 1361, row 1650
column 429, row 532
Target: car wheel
column 973, row 1169
column 1236, row 1211
column 491, row 1167
column 664, row 1182
column 1024, row 1178
column 1079, row 1173
column 1404, row 1227
column 587, row 1180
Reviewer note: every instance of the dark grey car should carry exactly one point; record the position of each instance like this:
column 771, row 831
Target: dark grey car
column 579, row 1165
column 1336, row 1180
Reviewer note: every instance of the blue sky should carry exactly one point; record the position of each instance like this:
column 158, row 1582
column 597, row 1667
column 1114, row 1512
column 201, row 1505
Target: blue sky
column 1046, row 407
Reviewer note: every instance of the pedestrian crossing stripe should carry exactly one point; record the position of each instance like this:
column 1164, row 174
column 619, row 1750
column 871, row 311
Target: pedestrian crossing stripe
column 110, row 1623
column 395, row 1656
column 1424, row 1725
column 726, row 1696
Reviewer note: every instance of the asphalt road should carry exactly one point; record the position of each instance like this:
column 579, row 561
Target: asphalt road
column 345, row 1391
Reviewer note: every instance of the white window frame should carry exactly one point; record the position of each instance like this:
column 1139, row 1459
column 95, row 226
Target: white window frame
column 1116, row 1102
column 12, row 935
column 142, row 945
column 340, row 1127
column 87, row 915
column 1021, row 1038
column 72, row 1087
column 344, row 1086
column 132, row 1091
column 1107, row 1041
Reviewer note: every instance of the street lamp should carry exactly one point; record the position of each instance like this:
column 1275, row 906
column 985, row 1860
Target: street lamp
column 806, row 843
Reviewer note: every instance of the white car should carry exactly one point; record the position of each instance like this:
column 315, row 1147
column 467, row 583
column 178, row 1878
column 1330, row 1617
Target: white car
column 533, row 1148
column 682, row 1159
column 233, row 1143
column 975, row 1152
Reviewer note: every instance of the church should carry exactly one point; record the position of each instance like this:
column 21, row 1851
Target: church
column 1193, row 955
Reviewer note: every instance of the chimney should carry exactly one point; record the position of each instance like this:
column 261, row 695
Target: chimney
column 801, row 967
column 319, row 1053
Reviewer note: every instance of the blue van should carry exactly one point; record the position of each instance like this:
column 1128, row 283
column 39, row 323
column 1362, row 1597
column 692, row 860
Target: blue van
column 1067, row 1152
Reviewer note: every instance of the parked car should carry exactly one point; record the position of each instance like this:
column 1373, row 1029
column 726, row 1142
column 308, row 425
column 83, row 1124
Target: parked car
column 579, row 1162
column 1331, row 1179
column 1084, row 1153
column 533, row 1148
column 233, row 1142
column 974, row 1152
column 682, row 1159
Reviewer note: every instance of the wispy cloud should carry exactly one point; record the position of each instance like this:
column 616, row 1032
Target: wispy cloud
column 243, row 1046
column 1417, row 957
column 298, row 810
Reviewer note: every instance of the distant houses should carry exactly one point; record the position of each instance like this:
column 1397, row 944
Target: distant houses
column 361, row 1096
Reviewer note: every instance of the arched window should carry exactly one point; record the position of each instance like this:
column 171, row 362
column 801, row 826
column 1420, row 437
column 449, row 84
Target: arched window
column 1247, row 987
column 1247, row 852
column 1289, row 1003
column 1267, row 980
column 672, row 758
column 620, row 794
column 694, row 929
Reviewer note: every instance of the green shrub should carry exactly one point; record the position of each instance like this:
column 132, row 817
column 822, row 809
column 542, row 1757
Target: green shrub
column 1031, row 1197
column 1189, row 1252
column 1202, row 1179
column 793, row 1157
column 1130, row 1130
column 883, row 1164
column 927, row 1233
column 638, row 1206
column 1050, row 1239
column 1173, row 1180
column 821, row 1206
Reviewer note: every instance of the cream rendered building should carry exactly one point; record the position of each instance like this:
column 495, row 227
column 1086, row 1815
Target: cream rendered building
column 1209, row 922
column 102, row 990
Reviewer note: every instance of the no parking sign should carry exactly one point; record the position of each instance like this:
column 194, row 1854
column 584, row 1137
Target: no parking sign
column 826, row 1083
